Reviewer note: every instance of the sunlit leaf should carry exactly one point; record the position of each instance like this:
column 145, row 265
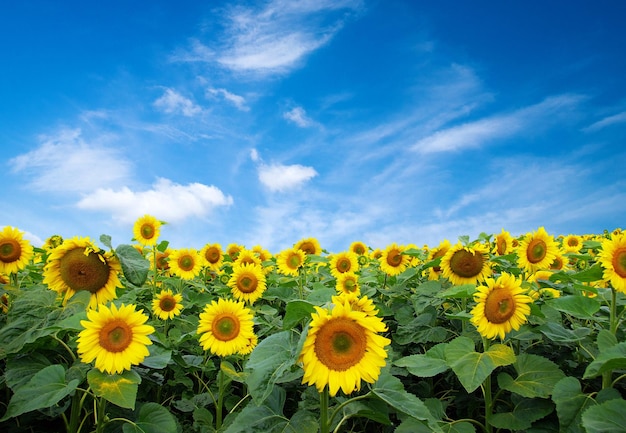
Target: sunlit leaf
column 428, row 364
column 119, row 389
column 295, row 311
column 609, row 416
column 578, row 306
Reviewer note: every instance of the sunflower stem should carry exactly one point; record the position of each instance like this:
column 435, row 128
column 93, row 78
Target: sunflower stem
column 101, row 415
column 75, row 411
column 607, row 376
column 220, row 400
column 324, row 426
column 486, row 387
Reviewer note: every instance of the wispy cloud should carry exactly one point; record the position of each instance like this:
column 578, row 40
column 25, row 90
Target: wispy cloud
column 607, row 121
column 280, row 178
column 237, row 100
column 298, row 116
column 172, row 102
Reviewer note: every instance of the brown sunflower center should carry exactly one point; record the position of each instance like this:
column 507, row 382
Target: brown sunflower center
column 247, row 283
column 293, row 261
column 84, row 272
column 343, row 265
column 167, row 303
column 116, row 336
column 307, row 247
column 536, row 251
column 212, row 255
column 439, row 253
column 619, row 262
column 162, row 262
column 186, row 263
column 499, row 306
column 572, row 242
column 557, row 264
column 225, row 327
column 359, row 249
column 466, row 264
column 147, row 231
column 501, row 246
column 394, row 258
column 10, row 250
column 340, row 344
column 349, row 285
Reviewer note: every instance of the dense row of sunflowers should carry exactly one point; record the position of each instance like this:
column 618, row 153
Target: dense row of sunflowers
column 148, row 338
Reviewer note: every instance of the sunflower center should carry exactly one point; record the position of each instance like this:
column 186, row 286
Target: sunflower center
column 186, row 263
column 10, row 250
column 162, row 262
column 247, row 283
column 349, row 285
column 359, row 249
column 294, row 261
column 572, row 242
column 619, row 262
column 84, row 272
column 466, row 264
column 394, row 258
column 499, row 306
column 212, row 255
column 225, row 327
column 557, row 264
column 536, row 251
column 308, row 248
column 340, row 344
column 343, row 265
column 440, row 253
column 116, row 336
column 167, row 304
column 501, row 246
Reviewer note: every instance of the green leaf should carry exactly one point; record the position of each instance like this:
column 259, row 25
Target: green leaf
column 471, row 367
column 523, row 415
column 45, row 389
column 21, row 368
column 119, row 389
column 609, row 416
column 106, row 241
column 295, row 311
column 231, row 372
column 608, row 360
column 152, row 418
column 559, row 334
column 578, row 306
column 606, row 339
column 570, row 404
column 536, row 376
column 428, row 364
column 462, row 291
column 134, row 266
column 159, row 357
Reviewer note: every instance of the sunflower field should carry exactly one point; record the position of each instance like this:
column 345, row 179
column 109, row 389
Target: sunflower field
column 495, row 334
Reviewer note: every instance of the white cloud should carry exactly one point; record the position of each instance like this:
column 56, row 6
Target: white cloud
column 173, row 102
column 66, row 162
column 298, row 116
column 278, row 177
column 237, row 100
column 607, row 121
column 254, row 155
column 166, row 200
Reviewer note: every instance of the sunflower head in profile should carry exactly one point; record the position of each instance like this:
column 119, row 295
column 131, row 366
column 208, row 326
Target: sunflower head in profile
column 345, row 261
column 146, row 230
column 537, row 250
column 213, row 256
column 503, row 243
column 185, row 263
column 342, row 348
column 466, row 264
column 612, row 258
column 15, row 251
column 247, row 282
column 78, row 264
column 162, row 261
column 359, row 248
column 290, row 260
column 226, row 327
column 502, row 305
column 115, row 338
column 348, row 282
column 434, row 272
column 393, row 262
column 167, row 305
column 310, row 246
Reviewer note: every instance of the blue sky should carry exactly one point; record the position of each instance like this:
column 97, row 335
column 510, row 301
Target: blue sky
column 265, row 122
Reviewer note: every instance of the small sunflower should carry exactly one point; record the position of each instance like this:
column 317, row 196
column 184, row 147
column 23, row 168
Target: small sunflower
column 146, row 230
column 247, row 282
column 466, row 265
column 503, row 243
column 52, row 242
column 248, row 348
column 185, row 263
column 15, row 251
column 226, row 327
column 572, row 244
column 348, row 282
column 612, row 258
column 357, row 303
column 290, row 260
column 246, row 256
column 213, row 255
column 114, row 338
column 502, row 306
column 434, row 272
column 310, row 246
column 393, row 262
column 162, row 261
column 167, row 304
column 559, row 262
column 358, row 248
column 233, row 250
column 78, row 264
column 343, row 348
column 537, row 250
column 343, row 262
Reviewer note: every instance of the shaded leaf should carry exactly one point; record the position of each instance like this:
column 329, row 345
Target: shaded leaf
column 134, row 266
column 152, row 418
column 119, row 389
column 578, row 306
column 610, row 359
column 159, row 357
column 536, row 376
column 559, row 334
column 570, row 404
column 295, row 311
column 523, row 414
column 609, row 416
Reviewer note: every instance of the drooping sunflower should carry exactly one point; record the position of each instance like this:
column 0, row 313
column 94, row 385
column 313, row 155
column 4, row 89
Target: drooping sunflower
column 345, row 261
column 503, row 305
column 393, row 262
column 247, row 282
column 466, row 264
column 359, row 248
column 503, row 243
column 612, row 258
column 226, row 327
column 572, row 243
column 348, row 282
column 15, row 251
column 114, row 338
column 146, row 230
column 213, row 255
column 310, row 246
column 185, row 263
column 162, row 261
column 537, row 250
column 290, row 260
column 166, row 305
column 434, row 272
column 78, row 264
column 342, row 348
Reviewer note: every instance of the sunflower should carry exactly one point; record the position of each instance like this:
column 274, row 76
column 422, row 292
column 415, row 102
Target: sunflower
column 52, row 242
column 185, row 263
column 247, row 282
column 357, row 303
column 434, row 272
column 393, row 262
column 115, row 338
column 290, row 260
column 226, row 327
column 146, row 230
column 213, row 255
column 466, row 265
column 248, row 348
column 162, row 261
column 358, row 248
column 503, row 243
column 233, row 250
column 167, row 304
column 15, row 251
column 612, row 258
column 247, row 257
column 348, row 282
column 559, row 262
column 262, row 253
column 78, row 264
column 502, row 306
column 310, row 246
column 537, row 251
column 572, row 244
column 343, row 262
column 342, row 348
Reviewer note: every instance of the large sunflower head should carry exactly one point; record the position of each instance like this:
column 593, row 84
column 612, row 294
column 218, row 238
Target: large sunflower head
column 502, row 306
column 185, row 263
column 166, row 305
column 78, row 264
column 348, row 282
column 15, row 251
column 290, row 260
column 213, row 255
column 466, row 264
column 537, row 250
column 393, row 262
column 342, row 348
column 146, row 230
column 503, row 243
column 247, row 282
column 612, row 258
column 310, row 246
column 114, row 338
column 345, row 261
column 226, row 327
